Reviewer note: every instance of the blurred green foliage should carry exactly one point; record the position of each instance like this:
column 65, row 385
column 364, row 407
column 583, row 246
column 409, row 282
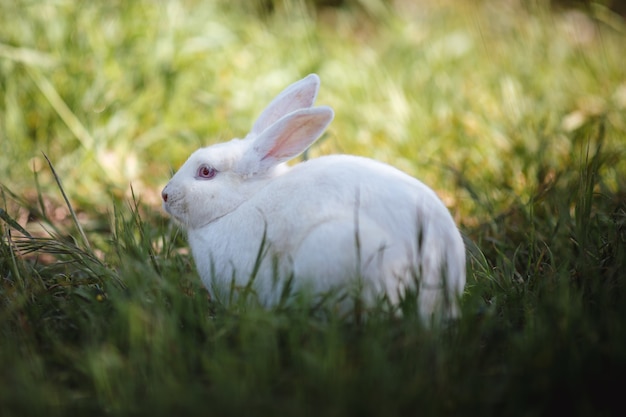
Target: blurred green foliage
column 121, row 92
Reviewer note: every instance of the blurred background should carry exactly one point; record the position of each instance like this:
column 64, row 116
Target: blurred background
column 480, row 99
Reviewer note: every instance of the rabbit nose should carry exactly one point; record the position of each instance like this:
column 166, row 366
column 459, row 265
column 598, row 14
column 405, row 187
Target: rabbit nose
column 164, row 196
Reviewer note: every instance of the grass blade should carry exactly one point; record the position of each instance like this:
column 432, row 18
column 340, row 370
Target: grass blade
column 5, row 216
column 69, row 205
column 61, row 108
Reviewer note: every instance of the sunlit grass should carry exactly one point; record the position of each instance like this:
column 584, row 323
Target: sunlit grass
column 116, row 94
column 514, row 112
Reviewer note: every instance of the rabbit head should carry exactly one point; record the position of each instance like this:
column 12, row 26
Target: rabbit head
column 215, row 180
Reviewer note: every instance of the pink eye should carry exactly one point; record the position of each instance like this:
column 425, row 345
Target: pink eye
column 206, row 172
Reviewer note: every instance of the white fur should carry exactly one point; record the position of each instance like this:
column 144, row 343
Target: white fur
column 328, row 223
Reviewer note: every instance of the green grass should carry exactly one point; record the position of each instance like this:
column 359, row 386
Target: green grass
column 514, row 113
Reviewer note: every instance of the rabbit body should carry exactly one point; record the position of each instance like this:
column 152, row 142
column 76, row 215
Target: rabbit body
column 374, row 223
column 335, row 222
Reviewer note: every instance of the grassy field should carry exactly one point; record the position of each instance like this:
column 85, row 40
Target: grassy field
column 513, row 111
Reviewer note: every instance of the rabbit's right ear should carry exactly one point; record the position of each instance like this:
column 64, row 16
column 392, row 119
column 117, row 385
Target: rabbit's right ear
column 285, row 139
column 298, row 95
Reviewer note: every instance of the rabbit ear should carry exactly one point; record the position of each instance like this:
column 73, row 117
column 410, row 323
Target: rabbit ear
column 285, row 139
column 298, row 95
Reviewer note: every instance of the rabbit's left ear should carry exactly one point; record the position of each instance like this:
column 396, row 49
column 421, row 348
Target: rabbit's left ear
column 285, row 139
column 298, row 95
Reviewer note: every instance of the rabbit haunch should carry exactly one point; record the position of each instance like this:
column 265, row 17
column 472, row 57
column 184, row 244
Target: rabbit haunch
column 335, row 222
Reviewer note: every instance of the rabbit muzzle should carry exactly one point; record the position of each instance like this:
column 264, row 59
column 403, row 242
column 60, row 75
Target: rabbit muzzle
column 170, row 203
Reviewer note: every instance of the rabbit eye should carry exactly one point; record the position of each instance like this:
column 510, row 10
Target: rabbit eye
column 206, row 172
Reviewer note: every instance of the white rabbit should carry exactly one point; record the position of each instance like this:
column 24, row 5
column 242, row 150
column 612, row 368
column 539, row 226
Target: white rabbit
column 327, row 223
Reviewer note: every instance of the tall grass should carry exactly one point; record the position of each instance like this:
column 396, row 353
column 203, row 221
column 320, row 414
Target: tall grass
column 514, row 112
